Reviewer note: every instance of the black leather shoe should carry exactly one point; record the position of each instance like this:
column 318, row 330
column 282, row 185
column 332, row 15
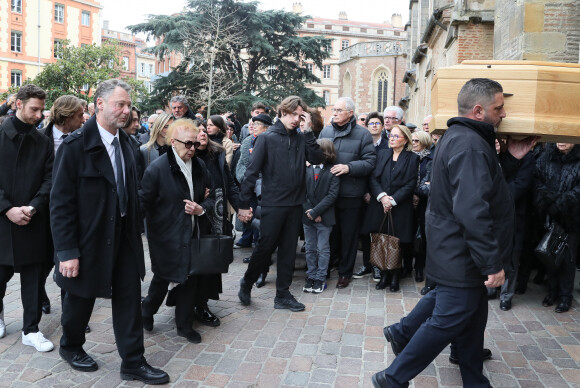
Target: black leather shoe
column 505, row 305
column 247, row 260
column 203, row 315
column 425, row 290
column 80, row 361
column 245, row 293
column 564, row 305
column 379, row 380
column 261, row 282
column 147, row 323
column 46, row 306
column 145, row 373
column 289, row 303
column 394, row 283
column 191, row 335
column 384, row 282
column 485, row 355
column 343, row 281
column 419, row 275
column 87, row 329
column 549, row 300
column 396, row 346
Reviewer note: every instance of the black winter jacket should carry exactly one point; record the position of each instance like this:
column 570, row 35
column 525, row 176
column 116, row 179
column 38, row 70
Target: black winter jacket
column 470, row 215
column 281, row 157
column 354, row 147
column 558, row 186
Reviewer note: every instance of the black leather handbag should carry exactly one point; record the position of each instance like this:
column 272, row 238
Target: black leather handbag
column 553, row 247
column 211, row 254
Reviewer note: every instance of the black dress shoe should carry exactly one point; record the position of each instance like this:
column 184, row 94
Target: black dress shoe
column 396, row 346
column 147, row 323
column 247, row 260
column 191, row 335
column 87, row 329
column 145, row 373
column 46, row 306
column 485, row 355
column 564, row 305
column 203, row 315
column 245, row 293
column 419, row 275
column 549, row 300
column 379, row 380
column 80, row 361
column 343, row 281
column 394, row 283
column 289, row 303
column 382, row 284
column 261, row 282
column 505, row 305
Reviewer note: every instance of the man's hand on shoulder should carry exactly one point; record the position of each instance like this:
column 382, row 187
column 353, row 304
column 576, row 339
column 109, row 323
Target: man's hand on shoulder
column 495, row 280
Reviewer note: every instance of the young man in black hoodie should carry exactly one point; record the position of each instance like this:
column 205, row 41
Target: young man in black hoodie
column 280, row 156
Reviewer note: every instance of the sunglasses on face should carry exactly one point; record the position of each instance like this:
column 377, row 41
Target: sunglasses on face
column 189, row 144
column 415, row 141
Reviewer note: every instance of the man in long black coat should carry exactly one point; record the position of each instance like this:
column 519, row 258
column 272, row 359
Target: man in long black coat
column 26, row 159
column 95, row 224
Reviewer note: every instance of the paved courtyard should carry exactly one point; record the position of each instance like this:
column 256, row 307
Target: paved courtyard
column 336, row 342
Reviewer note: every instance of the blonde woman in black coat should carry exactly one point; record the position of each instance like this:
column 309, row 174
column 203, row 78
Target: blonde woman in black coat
column 391, row 187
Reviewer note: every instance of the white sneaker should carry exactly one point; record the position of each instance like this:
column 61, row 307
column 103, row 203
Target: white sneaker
column 37, row 340
column 2, row 325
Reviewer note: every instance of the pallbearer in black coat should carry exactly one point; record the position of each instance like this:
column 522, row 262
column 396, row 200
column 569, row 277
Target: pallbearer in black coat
column 95, row 223
column 26, row 159
column 391, row 187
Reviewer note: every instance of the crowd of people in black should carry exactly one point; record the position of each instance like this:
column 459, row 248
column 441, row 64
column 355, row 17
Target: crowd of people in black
column 86, row 185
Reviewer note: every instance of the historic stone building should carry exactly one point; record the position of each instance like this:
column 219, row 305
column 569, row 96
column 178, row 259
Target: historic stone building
column 443, row 33
column 362, row 54
column 30, row 31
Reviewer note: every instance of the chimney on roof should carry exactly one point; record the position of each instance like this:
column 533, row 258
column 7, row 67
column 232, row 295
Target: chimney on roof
column 342, row 16
column 297, row 8
column 397, row 20
column 105, row 24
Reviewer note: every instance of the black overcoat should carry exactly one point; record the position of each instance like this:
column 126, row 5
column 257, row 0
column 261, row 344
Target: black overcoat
column 321, row 195
column 169, row 228
column 399, row 181
column 83, row 211
column 25, row 178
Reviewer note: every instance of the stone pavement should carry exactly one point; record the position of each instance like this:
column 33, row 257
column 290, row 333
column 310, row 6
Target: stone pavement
column 336, row 342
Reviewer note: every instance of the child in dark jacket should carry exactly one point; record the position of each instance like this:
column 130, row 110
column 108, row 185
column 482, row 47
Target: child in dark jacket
column 321, row 192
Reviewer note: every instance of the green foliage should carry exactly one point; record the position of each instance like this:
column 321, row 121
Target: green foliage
column 139, row 93
column 78, row 70
column 257, row 55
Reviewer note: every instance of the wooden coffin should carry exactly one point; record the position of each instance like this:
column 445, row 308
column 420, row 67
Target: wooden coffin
column 541, row 98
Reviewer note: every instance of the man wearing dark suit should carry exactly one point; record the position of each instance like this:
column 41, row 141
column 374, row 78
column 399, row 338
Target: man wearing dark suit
column 66, row 115
column 95, row 224
column 26, row 159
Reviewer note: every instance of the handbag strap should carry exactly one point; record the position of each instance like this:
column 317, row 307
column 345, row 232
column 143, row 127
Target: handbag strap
column 390, row 224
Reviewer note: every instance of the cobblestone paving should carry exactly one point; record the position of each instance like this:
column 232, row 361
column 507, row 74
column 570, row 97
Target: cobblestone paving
column 336, row 342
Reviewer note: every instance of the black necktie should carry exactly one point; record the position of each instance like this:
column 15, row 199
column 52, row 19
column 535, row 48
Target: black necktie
column 64, row 135
column 121, row 193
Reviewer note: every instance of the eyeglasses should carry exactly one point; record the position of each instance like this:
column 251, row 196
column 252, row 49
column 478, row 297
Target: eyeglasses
column 374, row 124
column 339, row 111
column 387, row 118
column 425, row 124
column 415, row 141
column 394, row 137
column 189, row 144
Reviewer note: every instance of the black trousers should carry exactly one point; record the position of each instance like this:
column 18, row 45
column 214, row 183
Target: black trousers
column 561, row 280
column 184, row 301
column 30, row 292
column 458, row 314
column 279, row 227
column 126, row 305
column 346, row 234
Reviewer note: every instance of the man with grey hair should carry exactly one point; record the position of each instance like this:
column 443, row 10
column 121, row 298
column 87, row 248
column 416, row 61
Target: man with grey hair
column 355, row 161
column 99, row 253
column 393, row 115
column 426, row 122
column 361, row 119
column 180, row 108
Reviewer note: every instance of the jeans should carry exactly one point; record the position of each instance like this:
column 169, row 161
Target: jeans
column 317, row 238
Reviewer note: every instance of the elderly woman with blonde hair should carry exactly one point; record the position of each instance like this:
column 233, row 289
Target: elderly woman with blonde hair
column 172, row 196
